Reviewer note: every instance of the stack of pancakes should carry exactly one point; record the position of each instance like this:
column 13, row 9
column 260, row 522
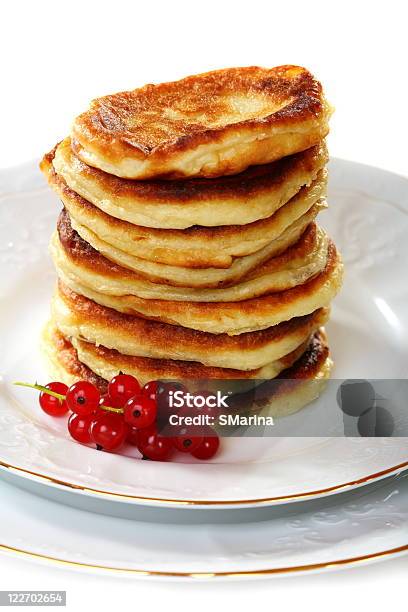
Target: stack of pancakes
column 187, row 247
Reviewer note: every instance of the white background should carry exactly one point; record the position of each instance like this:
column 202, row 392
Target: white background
column 56, row 56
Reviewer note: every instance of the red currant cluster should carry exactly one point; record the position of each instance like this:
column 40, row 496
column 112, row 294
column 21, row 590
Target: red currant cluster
column 127, row 413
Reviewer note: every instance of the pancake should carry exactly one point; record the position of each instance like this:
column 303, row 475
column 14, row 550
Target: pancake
column 212, row 124
column 297, row 385
column 75, row 258
column 108, row 362
column 230, row 317
column 198, row 277
column 79, row 317
column 195, row 247
column 250, row 196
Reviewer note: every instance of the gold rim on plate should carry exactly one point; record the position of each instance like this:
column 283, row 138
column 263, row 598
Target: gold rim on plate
column 195, row 502
column 352, row 561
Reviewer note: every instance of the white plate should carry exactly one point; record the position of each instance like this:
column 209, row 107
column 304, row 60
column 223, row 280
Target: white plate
column 368, row 335
column 333, row 533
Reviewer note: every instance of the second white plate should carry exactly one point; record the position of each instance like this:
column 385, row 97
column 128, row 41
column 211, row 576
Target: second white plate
column 345, row 530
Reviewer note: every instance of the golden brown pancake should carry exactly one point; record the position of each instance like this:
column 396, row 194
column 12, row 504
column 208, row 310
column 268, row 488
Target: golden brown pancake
column 76, row 258
column 230, row 317
column 79, row 317
column 297, row 385
column 201, row 278
column 250, row 196
column 198, row 277
column 106, row 363
column 196, row 247
column 212, row 124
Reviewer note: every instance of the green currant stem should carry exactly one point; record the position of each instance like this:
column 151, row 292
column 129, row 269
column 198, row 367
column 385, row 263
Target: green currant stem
column 112, row 409
column 40, row 388
column 59, row 396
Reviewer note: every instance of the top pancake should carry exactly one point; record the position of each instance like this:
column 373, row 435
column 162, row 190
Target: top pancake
column 212, row 124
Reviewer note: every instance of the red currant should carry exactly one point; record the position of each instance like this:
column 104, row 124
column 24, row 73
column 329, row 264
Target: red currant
column 52, row 405
column 140, row 412
column 150, row 390
column 121, row 388
column 186, row 441
column 208, row 447
column 83, row 398
column 131, row 436
column 104, row 400
column 79, row 427
column 108, row 430
column 152, row 445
